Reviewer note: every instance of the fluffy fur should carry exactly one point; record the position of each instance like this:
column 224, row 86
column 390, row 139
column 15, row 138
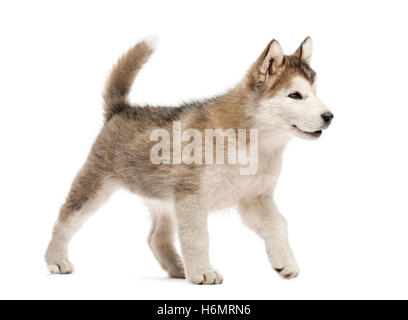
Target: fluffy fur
column 180, row 196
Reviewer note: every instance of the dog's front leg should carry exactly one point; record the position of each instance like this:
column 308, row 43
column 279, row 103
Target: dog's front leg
column 262, row 216
column 193, row 234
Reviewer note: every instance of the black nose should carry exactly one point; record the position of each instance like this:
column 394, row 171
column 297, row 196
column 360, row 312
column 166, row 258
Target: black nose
column 327, row 117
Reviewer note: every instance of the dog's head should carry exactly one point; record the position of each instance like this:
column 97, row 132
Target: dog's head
column 284, row 92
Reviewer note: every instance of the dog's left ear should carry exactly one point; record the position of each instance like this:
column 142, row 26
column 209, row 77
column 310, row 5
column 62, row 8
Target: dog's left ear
column 304, row 52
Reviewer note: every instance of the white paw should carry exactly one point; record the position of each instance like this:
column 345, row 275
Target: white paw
column 63, row 266
column 283, row 261
column 287, row 271
column 207, row 277
column 58, row 263
column 53, row 269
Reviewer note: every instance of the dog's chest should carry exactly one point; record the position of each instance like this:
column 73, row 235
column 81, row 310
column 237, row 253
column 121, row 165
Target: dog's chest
column 225, row 187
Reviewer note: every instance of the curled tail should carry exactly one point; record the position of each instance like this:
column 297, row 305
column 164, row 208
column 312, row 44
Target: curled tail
column 122, row 76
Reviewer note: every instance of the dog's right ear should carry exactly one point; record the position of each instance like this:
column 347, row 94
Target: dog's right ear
column 269, row 61
column 304, row 52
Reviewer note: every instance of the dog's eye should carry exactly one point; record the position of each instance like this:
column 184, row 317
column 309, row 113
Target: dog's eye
column 295, row 95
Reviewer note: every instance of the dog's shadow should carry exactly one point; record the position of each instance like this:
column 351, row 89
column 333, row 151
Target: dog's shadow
column 164, row 279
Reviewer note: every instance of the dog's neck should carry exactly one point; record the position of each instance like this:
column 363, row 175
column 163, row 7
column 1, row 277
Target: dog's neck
column 233, row 111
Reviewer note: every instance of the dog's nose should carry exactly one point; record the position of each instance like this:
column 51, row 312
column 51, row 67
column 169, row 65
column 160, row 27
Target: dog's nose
column 327, row 117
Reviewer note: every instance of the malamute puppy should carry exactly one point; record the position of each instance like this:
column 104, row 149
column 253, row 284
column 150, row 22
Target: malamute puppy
column 273, row 102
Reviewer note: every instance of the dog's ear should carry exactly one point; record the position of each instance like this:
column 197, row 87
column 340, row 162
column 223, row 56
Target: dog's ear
column 304, row 52
column 271, row 58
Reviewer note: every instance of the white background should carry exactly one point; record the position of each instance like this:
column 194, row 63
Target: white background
column 344, row 195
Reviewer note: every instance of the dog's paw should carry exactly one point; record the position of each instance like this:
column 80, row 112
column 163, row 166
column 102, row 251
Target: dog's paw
column 207, row 277
column 290, row 270
column 177, row 272
column 61, row 267
column 58, row 264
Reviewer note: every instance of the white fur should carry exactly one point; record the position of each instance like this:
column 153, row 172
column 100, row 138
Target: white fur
column 263, row 217
column 307, row 49
column 282, row 112
column 162, row 236
column 164, row 207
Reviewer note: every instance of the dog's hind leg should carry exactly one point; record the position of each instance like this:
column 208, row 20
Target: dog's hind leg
column 89, row 191
column 161, row 241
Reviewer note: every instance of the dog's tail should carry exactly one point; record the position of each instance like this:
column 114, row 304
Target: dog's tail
column 122, row 76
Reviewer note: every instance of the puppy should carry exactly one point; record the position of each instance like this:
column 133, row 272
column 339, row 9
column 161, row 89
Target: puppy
column 149, row 150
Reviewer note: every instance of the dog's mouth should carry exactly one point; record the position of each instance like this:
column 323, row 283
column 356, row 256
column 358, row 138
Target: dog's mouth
column 315, row 134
